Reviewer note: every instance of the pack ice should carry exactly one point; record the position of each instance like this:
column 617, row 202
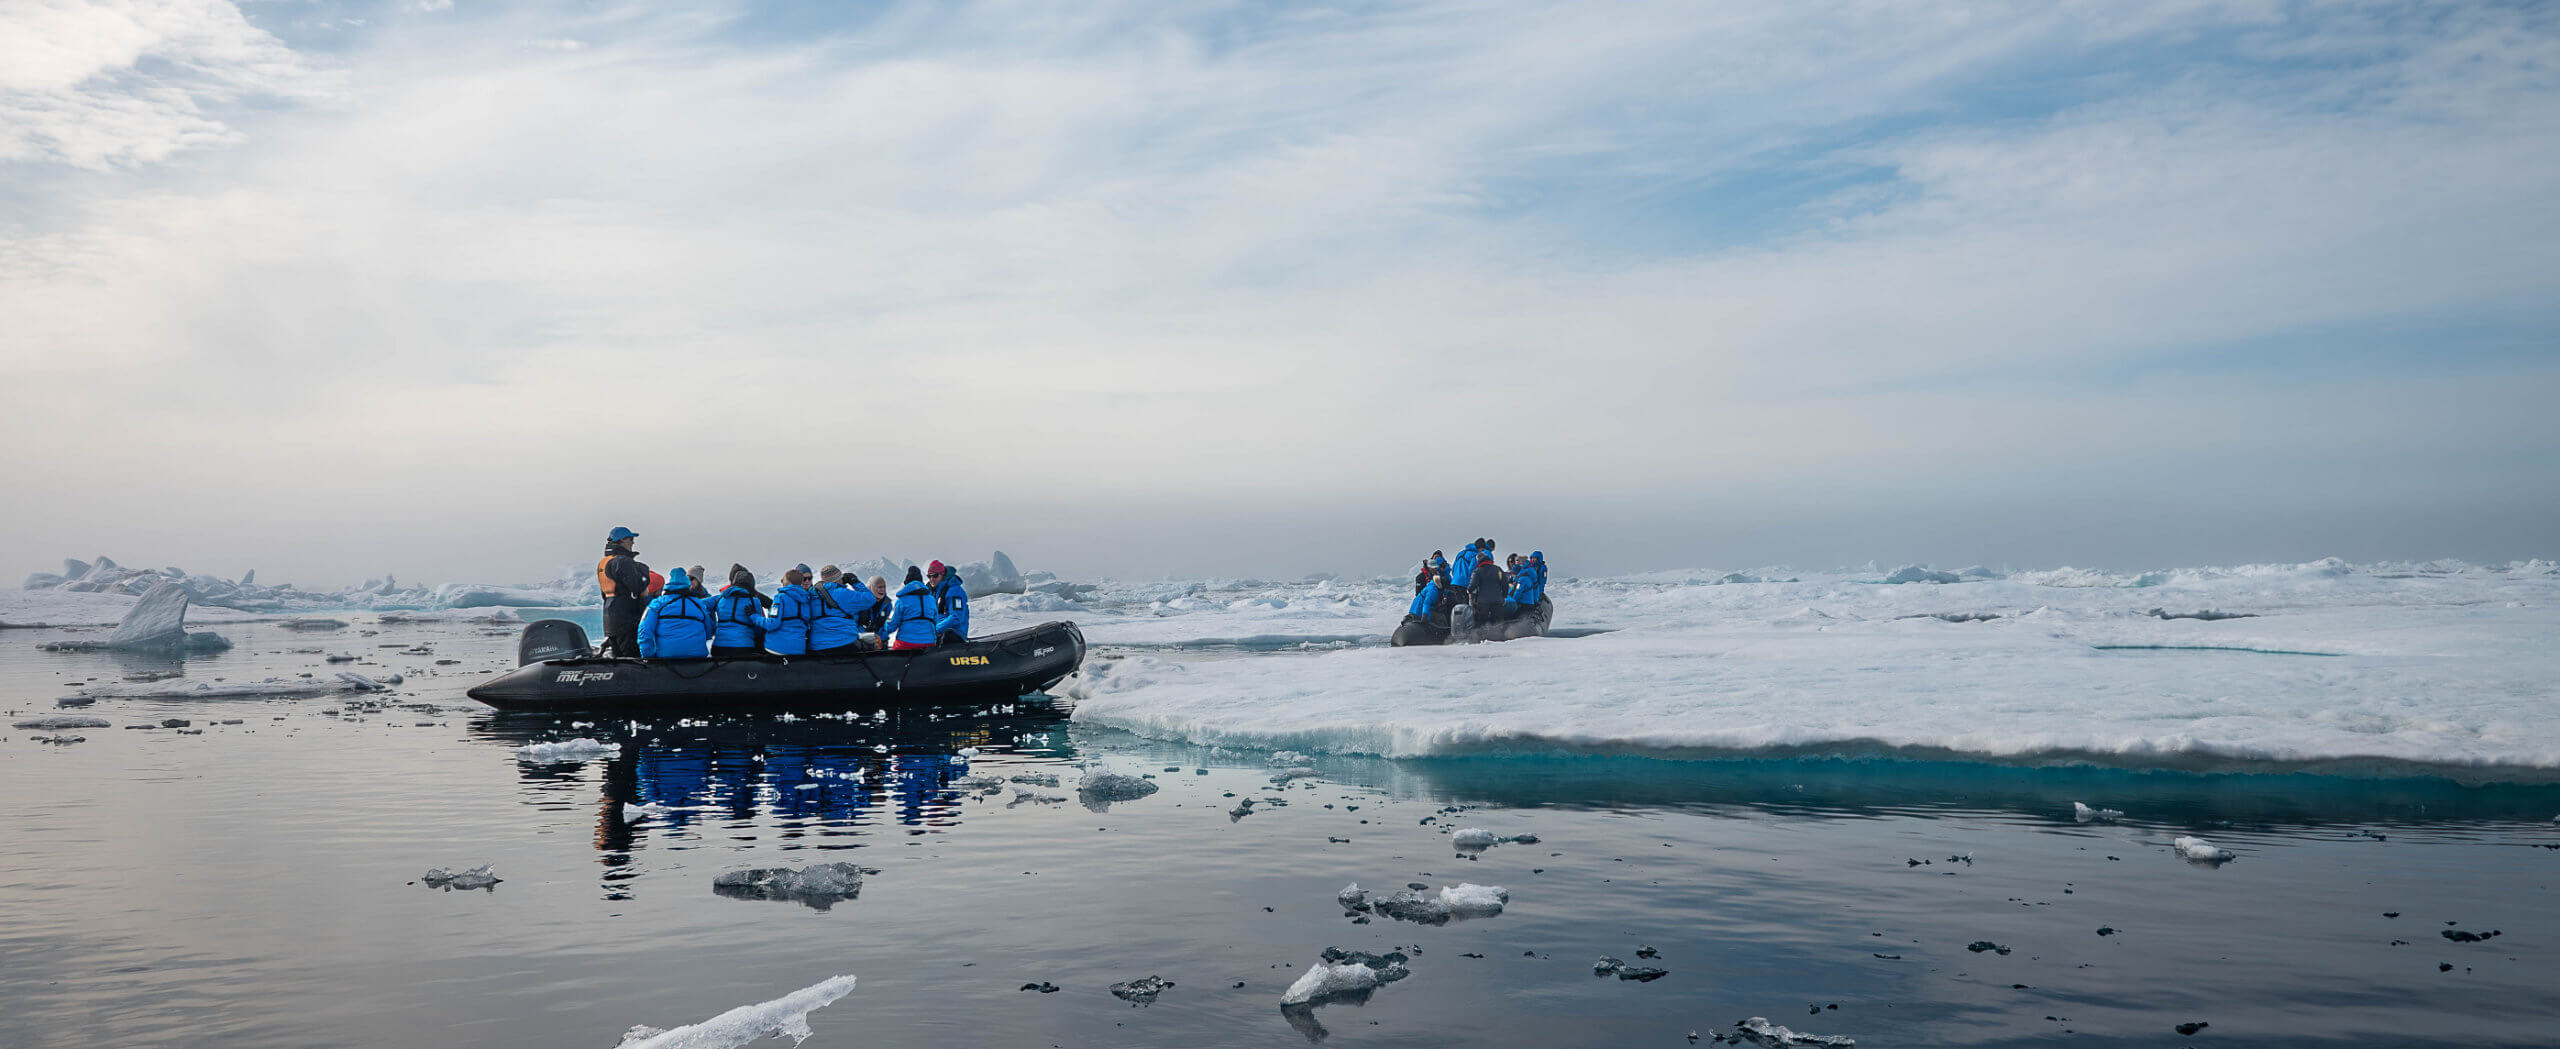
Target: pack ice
column 2439, row 664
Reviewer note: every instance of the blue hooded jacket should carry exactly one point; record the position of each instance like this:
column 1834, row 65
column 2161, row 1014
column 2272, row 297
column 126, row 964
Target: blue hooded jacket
column 677, row 625
column 1530, row 583
column 736, row 611
column 786, row 631
column 1423, row 601
column 1463, row 570
column 951, row 607
column 839, row 622
column 911, row 619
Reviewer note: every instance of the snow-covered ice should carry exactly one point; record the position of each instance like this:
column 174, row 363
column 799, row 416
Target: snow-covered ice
column 2082, row 812
column 1470, row 900
column 580, row 749
column 786, row 1017
column 2339, row 665
column 2198, row 850
column 1474, row 838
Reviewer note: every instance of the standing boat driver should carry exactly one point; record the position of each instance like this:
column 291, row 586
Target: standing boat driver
column 1463, row 570
column 950, row 604
column 623, row 580
column 735, row 614
column 1487, row 588
column 678, row 624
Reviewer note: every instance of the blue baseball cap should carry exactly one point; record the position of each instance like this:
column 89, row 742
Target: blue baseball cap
column 619, row 534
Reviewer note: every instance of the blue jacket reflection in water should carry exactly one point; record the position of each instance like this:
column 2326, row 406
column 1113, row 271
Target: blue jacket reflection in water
column 1529, row 584
column 786, row 631
column 840, row 610
column 677, row 625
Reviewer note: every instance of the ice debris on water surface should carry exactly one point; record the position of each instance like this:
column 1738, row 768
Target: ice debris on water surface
column 1036, row 779
column 580, row 749
column 1141, row 991
column 1296, row 772
column 1344, row 975
column 2085, row 814
column 787, row 1016
column 1470, row 900
column 1290, row 758
column 818, row 885
column 2198, row 850
column 1474, row 838
column 1608, row 966
column 480, row 877
column 1106, row 785
column 636, row 812
column 59, row 721
column 1760, row 1032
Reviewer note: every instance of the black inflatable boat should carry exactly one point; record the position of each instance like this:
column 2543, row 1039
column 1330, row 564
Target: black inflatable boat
column 1461, row 627
column 556, row 673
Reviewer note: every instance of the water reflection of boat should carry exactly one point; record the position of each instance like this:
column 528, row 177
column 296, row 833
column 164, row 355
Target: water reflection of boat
column 809, row 775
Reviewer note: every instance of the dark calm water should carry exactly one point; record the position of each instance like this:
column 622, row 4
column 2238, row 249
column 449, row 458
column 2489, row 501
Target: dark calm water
column 256, row 885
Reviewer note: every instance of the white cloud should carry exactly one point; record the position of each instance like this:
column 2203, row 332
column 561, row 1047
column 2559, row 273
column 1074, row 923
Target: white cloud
column 116, row 84
column 1284, row 262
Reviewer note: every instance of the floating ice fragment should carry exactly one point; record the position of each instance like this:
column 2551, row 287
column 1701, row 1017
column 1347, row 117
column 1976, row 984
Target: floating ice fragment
column 1106, row 785
column 1023, row 795
column 818, row 885
column 1470, row 900
column 1353, row 897
column 2198, row 850
column 638, row 812
column 480, row 877
column 1290, row 757
column 1037, row 779
column 60, row 721
column 1412, row 906
column 1759, row 1031
column 786, row 1016
column 2085, row 814
column 1300, row 772
column 580, row 749
column 1323, row 982
column 1474, row 838
column 1141, row 991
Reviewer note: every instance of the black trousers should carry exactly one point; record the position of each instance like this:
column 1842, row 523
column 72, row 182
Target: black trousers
column 621, row 628
column 844, row 649
column 734, row 651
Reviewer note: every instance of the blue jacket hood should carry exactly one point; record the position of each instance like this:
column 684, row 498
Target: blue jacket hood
column 679, row 579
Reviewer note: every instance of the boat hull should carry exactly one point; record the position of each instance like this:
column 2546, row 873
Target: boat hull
column 992, row 669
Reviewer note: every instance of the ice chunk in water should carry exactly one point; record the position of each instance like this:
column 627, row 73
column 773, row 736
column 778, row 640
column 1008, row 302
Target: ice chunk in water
column 636, row 813
column 1322, row 982
column 1470, row 900
column 1474, row 838
column 159, row 620
column 59, row 721
column 579, row 749
column 1106, row 785
column 480, row 877
column 1299, row 772
column 2085, row 814
column 1412, row 906
column 1759, row 1031
column 787, row 1016
column 1141, row 991
column 819, row 885
column 1290, row 757
column 1352, row 897
column 1037, row 779
column 2198, row 850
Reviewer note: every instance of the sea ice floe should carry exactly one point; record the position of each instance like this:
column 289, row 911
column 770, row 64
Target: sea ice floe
column 1323, row 982
column 1470, row 900
column 818, row 884
column 480, row 877
column 1759, row 1031
column 2085, row 814
column 787, row 1016
column 59, row 721
column 580, row 749
column 1291, row 758
column 2198, row 850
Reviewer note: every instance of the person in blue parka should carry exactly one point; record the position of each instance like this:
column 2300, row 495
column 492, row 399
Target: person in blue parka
column 911, row 618
column 1528, row 585
column 1462, row 572
column 795, row 609
column 677, row 625
column 950, row 604
column 840, row 608
column 1426, row 602
column 738, row 614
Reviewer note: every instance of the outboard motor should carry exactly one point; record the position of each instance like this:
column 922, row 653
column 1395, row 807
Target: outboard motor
column 548, row 639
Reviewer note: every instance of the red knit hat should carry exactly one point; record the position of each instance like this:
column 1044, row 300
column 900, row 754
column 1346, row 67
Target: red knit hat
column 935, row 568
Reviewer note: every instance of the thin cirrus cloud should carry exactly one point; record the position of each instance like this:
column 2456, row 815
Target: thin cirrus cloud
column 1718, row 267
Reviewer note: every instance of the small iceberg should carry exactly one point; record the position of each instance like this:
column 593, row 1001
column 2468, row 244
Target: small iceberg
column 2198, row 850
column 818, row 885
column 1759, row 1031
column 787, row 1016
column 480, row 877
column 1470, row 900
column 1141, row 991
column 2085, row 814
column 580, row 749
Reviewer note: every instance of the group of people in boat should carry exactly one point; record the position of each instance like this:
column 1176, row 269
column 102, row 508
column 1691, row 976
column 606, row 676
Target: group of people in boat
column 1494, row 591
column 826, row 612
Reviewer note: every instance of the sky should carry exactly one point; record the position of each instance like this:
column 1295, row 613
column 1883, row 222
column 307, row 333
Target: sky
column 1148, row 289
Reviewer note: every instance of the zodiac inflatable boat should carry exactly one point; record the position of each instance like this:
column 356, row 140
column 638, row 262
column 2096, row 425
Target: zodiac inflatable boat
column 556, row 672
